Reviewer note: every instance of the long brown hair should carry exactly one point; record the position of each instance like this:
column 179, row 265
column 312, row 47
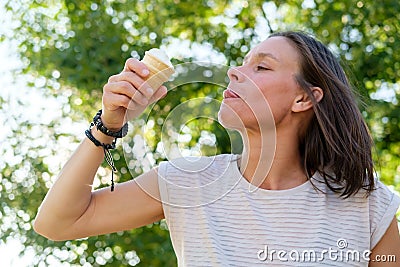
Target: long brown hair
column 337, row 142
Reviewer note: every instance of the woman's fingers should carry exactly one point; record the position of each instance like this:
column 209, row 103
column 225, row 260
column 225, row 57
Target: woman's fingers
column 128, row 100
column 136, row 66
column 137, row 82
column 126, row 89
column 115, row 101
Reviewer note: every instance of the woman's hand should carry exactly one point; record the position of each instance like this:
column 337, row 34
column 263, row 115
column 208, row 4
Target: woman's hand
column 126, row 95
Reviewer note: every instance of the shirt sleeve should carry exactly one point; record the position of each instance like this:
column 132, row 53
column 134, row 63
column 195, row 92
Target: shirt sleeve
column 383, row 205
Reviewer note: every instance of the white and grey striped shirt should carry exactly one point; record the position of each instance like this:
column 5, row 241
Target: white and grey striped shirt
column 217, row 218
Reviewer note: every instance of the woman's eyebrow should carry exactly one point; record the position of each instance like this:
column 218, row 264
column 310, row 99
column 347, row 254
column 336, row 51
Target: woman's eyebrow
column 262, row 55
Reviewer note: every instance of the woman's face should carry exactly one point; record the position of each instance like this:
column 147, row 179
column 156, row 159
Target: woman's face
column 262, row 91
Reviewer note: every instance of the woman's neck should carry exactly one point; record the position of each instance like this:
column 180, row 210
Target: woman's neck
column 272, row 163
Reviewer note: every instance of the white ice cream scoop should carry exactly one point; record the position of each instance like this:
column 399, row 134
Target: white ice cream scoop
column 159, row 65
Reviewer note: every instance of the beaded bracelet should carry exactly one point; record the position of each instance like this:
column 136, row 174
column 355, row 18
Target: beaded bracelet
column 100, row 126
column 107, row 154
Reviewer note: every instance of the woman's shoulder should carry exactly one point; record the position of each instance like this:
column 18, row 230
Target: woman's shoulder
column 382, row 198
column 200, row 164
column 195, row 181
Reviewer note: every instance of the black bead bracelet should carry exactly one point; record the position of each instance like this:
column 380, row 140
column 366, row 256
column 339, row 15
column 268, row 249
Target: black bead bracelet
column 106, row 147
column 100, row 126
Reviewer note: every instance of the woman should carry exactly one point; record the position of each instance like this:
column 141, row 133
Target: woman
column 301, row 193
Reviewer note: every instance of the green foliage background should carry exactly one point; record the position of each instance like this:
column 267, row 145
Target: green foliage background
column 76, row 45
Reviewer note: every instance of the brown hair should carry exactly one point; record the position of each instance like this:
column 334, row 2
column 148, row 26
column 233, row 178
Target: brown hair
column 337, row 142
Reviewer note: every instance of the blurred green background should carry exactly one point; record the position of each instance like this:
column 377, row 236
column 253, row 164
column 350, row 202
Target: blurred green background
column 68, row 49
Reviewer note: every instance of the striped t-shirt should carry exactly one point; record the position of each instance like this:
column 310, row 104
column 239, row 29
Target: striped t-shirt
column 217, row 218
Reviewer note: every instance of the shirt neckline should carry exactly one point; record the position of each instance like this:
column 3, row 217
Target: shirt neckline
column 244, row 184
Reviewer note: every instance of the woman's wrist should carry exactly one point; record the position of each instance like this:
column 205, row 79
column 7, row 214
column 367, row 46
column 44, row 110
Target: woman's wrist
column 98, row 122
column 113, row 128
column 101, row 137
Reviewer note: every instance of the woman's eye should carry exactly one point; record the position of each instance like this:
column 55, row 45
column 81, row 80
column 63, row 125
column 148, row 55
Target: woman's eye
column 262, row 68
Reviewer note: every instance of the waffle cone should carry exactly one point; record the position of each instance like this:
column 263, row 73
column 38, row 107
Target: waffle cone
column 159, row 71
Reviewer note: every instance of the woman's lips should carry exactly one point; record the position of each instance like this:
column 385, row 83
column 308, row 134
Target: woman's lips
column 228, row 93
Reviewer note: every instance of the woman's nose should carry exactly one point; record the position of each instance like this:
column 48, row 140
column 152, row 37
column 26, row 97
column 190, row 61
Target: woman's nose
column 235, row 74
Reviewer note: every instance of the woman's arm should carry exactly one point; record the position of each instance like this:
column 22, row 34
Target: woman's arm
column 387, row 251
column 71, row 209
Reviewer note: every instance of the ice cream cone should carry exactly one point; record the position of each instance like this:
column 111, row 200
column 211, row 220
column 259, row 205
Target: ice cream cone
column 160, row 67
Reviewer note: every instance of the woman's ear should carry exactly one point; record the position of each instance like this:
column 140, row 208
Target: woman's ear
column 303, row 102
